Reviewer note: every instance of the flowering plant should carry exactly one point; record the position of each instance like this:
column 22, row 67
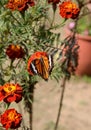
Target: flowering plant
column 11, row 92
column 11, row 119
column 82, row 25
column 30, row 51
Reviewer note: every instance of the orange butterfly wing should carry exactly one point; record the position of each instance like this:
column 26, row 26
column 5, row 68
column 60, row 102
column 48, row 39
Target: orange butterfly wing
column 42, row 67
column 40, row 64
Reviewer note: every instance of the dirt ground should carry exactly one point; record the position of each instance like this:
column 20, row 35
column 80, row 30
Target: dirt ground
column 76, row 111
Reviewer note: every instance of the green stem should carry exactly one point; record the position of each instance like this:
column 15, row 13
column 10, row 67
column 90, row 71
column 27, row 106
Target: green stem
column 58, row 25
column 54, row 10
column 29, row 104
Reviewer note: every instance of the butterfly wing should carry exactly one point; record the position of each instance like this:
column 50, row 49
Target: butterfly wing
column 42, row 66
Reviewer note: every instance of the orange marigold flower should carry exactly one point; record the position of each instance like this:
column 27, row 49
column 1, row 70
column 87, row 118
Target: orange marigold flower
column 11, row 119
column 20, row 5
column 69, row 10
column 15, row 51
column 54, row 1
column 10, row 92
column 40, row 63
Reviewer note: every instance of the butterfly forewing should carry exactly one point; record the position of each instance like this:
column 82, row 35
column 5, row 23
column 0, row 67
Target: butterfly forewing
column 42, row 66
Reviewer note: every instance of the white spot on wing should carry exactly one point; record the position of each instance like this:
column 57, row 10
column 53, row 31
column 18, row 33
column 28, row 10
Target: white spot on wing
column 34, row 68
column 50, row 61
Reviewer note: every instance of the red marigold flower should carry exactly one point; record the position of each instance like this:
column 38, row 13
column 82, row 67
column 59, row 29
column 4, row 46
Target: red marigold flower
column 11, row 119
column 69, row 10
column 54, row 1
column 11, row 92
column 40, row 63
column 20, row 5
column 15, row 51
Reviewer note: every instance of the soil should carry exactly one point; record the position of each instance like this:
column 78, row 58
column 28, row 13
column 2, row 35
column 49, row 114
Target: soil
column 76, row 110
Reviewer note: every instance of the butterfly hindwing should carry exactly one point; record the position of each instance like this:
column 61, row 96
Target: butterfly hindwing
column 50, row 63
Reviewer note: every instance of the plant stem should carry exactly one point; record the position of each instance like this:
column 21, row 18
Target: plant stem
column 61, row 102
column 31, row 106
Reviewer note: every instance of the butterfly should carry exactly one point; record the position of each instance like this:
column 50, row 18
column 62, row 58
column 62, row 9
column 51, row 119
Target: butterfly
column 40, row 63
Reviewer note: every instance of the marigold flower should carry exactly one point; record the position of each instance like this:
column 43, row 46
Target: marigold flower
column 54, row 1
column 10, row 92
column 20, row 5
column 15, row 51
column 69, row 10
column 11, row 119
column 40, row 63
